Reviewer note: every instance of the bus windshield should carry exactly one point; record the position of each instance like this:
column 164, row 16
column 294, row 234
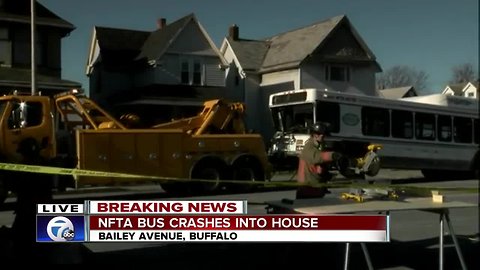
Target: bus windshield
column 295, row 118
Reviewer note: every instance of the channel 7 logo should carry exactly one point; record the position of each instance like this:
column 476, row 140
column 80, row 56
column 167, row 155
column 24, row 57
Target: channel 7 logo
column 60, row 228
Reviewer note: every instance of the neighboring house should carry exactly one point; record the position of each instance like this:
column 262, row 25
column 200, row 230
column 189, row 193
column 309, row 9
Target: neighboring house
column 159, row 75
column 466, row 89
column 454, row 89
column 471, row 90
column 329, row 54
column 398, row 92
column 15, row 55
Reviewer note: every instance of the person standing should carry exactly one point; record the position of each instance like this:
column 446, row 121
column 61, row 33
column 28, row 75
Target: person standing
column 312, row 166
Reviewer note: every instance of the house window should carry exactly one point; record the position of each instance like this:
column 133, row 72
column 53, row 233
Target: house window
column 191, row 72
column 337, row 73
column 5, row 48
column 470, row 94
column 185, row 74
column 197, row 73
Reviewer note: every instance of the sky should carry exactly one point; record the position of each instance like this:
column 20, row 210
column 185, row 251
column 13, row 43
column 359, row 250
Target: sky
column 428, row 35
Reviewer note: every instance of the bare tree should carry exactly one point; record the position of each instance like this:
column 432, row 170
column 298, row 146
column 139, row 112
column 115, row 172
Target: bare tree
column 463, row 73
column 399, row 76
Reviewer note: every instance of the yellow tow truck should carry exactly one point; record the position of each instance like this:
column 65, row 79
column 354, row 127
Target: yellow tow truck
column 70, row 130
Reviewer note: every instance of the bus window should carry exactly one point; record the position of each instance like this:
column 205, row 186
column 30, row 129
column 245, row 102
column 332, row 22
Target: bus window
column 444, row 128
column 425, row 126
column 375, row 122
column 476, row 131
column 295, row 118
column 402, row 124
column 462, row 130
column 329, row 112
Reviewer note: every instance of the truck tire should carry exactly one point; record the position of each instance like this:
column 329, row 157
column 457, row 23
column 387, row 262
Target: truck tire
column 212, row 169
column 248, row 169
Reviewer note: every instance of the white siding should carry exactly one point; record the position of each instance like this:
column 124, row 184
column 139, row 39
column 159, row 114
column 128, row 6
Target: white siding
column 362, row 79
column 228, row 55
column 280, row 77
column 448, row 91
column 191, row 41
column 470, row 91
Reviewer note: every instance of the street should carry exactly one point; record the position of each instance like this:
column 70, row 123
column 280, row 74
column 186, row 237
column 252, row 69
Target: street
column 414, row 235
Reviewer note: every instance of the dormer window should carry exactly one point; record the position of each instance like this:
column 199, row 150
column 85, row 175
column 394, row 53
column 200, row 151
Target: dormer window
column 339, row 73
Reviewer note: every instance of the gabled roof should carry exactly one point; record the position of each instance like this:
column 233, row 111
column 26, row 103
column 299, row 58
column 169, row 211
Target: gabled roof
column 456, row 88
column 122, row 47
column 475, row 84
column 120, row 39
column 250, row 53
column 19, row 11
column 397, row 93
column 118, row 46
column 289, row 49
column 159, row 40
column 446, row 100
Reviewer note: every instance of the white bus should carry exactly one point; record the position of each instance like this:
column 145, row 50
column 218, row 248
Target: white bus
column 437, row 134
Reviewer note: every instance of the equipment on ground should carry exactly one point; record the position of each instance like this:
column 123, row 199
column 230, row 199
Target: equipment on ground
column 367, row 194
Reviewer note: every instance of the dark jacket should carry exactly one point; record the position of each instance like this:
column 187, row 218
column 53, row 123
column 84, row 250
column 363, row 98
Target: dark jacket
column 312, row 161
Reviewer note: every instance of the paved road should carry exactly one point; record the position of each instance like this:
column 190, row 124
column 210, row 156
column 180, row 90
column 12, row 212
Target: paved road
column 414, row 242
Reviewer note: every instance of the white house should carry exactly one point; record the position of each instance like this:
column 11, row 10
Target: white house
column 471, row 90
column 328, row 54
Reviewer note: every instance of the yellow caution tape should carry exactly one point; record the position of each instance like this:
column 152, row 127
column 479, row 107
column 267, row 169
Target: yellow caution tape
column 335, row 184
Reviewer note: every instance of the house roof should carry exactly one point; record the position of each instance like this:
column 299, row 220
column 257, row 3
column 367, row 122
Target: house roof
column 456, row 88
column 121, row 47
column 17, row 77
column 289, row 49
column 120, row 39
column 446, row 100
column 250, row 53
column 475, row 84
column 396, row 93
column 19, row 11
column 159, row 40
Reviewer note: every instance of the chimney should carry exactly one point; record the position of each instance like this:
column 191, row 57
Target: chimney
column 161, row 23
column 233, row 32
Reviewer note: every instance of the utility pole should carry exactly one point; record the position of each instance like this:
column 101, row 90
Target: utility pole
column 33, row 43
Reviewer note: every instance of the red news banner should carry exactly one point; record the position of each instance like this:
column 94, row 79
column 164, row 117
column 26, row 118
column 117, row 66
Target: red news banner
column 208, row 221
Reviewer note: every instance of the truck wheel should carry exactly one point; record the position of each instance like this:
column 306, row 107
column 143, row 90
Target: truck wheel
column 207, row 173
column 246, row 169
column 212, row 169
